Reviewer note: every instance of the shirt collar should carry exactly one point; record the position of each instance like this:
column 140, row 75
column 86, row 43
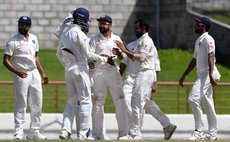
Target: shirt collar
column 204, row 34
column 102, row 37
column 75, row 25
column 22, row 36
column 143, row 36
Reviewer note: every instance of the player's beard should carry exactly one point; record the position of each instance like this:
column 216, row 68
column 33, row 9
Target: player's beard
column 103, row 29
column 196, row 31
column 23, row 31
column 139, row 34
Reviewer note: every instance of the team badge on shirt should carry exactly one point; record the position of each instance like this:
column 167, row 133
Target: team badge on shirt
column 33, row 41
column 210, row 45
column 145, row 47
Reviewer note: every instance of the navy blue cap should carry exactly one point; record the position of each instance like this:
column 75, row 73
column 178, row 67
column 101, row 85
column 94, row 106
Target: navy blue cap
column 25, row 20
column 105, row 18
column 204, row 20
column 81, row 12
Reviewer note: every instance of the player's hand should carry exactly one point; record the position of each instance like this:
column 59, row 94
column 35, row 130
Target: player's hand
column 22, row 74
column 120, row 45
column 181, row 81
column 67, row 20
column 45, row 79
column 154, row 87
column 116, row 51
column 110, row 61
column 212, row 80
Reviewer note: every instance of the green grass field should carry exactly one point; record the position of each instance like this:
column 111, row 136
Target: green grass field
column 173, row 64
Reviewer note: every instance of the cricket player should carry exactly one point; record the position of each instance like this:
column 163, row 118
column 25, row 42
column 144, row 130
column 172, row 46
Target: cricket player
column 78, row 81
column 20, row 57
column 66, row 57
column 144, row 53
column 151, row 107
column 202, row 90
column 107, row 76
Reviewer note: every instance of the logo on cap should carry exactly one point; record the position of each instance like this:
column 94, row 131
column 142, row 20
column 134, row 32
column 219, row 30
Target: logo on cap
column 105, row 18
column 81, row 13
column 25, row 19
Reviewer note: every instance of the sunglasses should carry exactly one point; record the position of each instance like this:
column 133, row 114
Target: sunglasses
column 22, row 25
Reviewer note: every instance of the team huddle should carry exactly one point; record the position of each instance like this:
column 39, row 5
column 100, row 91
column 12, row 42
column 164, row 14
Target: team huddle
column 91, row 66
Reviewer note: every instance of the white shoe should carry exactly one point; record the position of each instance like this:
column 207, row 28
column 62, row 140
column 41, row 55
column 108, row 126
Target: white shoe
column 64, row 135
column 168, row 131
column 18, row 136
column 87, row 136
column 36, row 135
column 210, row 137
column 197, row 135
column 130, row 137
column 80, row 137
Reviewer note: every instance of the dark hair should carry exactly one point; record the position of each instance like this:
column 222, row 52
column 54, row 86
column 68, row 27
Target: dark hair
column 142, row 23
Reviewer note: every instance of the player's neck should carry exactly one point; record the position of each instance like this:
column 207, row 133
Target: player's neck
column 107, row 35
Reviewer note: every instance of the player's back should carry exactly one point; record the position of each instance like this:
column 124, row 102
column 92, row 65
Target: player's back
column 75, row 40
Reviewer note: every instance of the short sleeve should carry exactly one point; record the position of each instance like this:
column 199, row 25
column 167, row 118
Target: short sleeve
column 145, row 46
column 209, row 44
column 37, row 44
column 9, row 48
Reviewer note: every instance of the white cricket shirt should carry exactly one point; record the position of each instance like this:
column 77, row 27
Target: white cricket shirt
column 145, row 45
column 22, row 51
column 204, row 45
column 103, row 46
column 75, row 40
column 132, row 66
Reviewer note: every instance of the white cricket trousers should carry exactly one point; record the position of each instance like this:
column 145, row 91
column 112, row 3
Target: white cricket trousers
column 78, row 85
column 141, row 96
column 202, row 91
column 110, row 78
column 27, row 89
column 70, row 110
column 151, row 107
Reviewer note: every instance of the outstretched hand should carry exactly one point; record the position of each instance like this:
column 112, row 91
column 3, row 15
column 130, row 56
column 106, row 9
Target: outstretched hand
column 120, row 45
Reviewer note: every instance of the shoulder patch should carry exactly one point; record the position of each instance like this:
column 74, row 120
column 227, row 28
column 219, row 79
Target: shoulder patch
column 210, row 45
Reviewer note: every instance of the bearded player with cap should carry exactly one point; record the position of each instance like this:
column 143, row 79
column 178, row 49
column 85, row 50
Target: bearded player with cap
column 22, row 50
column 107, row 76
column 202, row 90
